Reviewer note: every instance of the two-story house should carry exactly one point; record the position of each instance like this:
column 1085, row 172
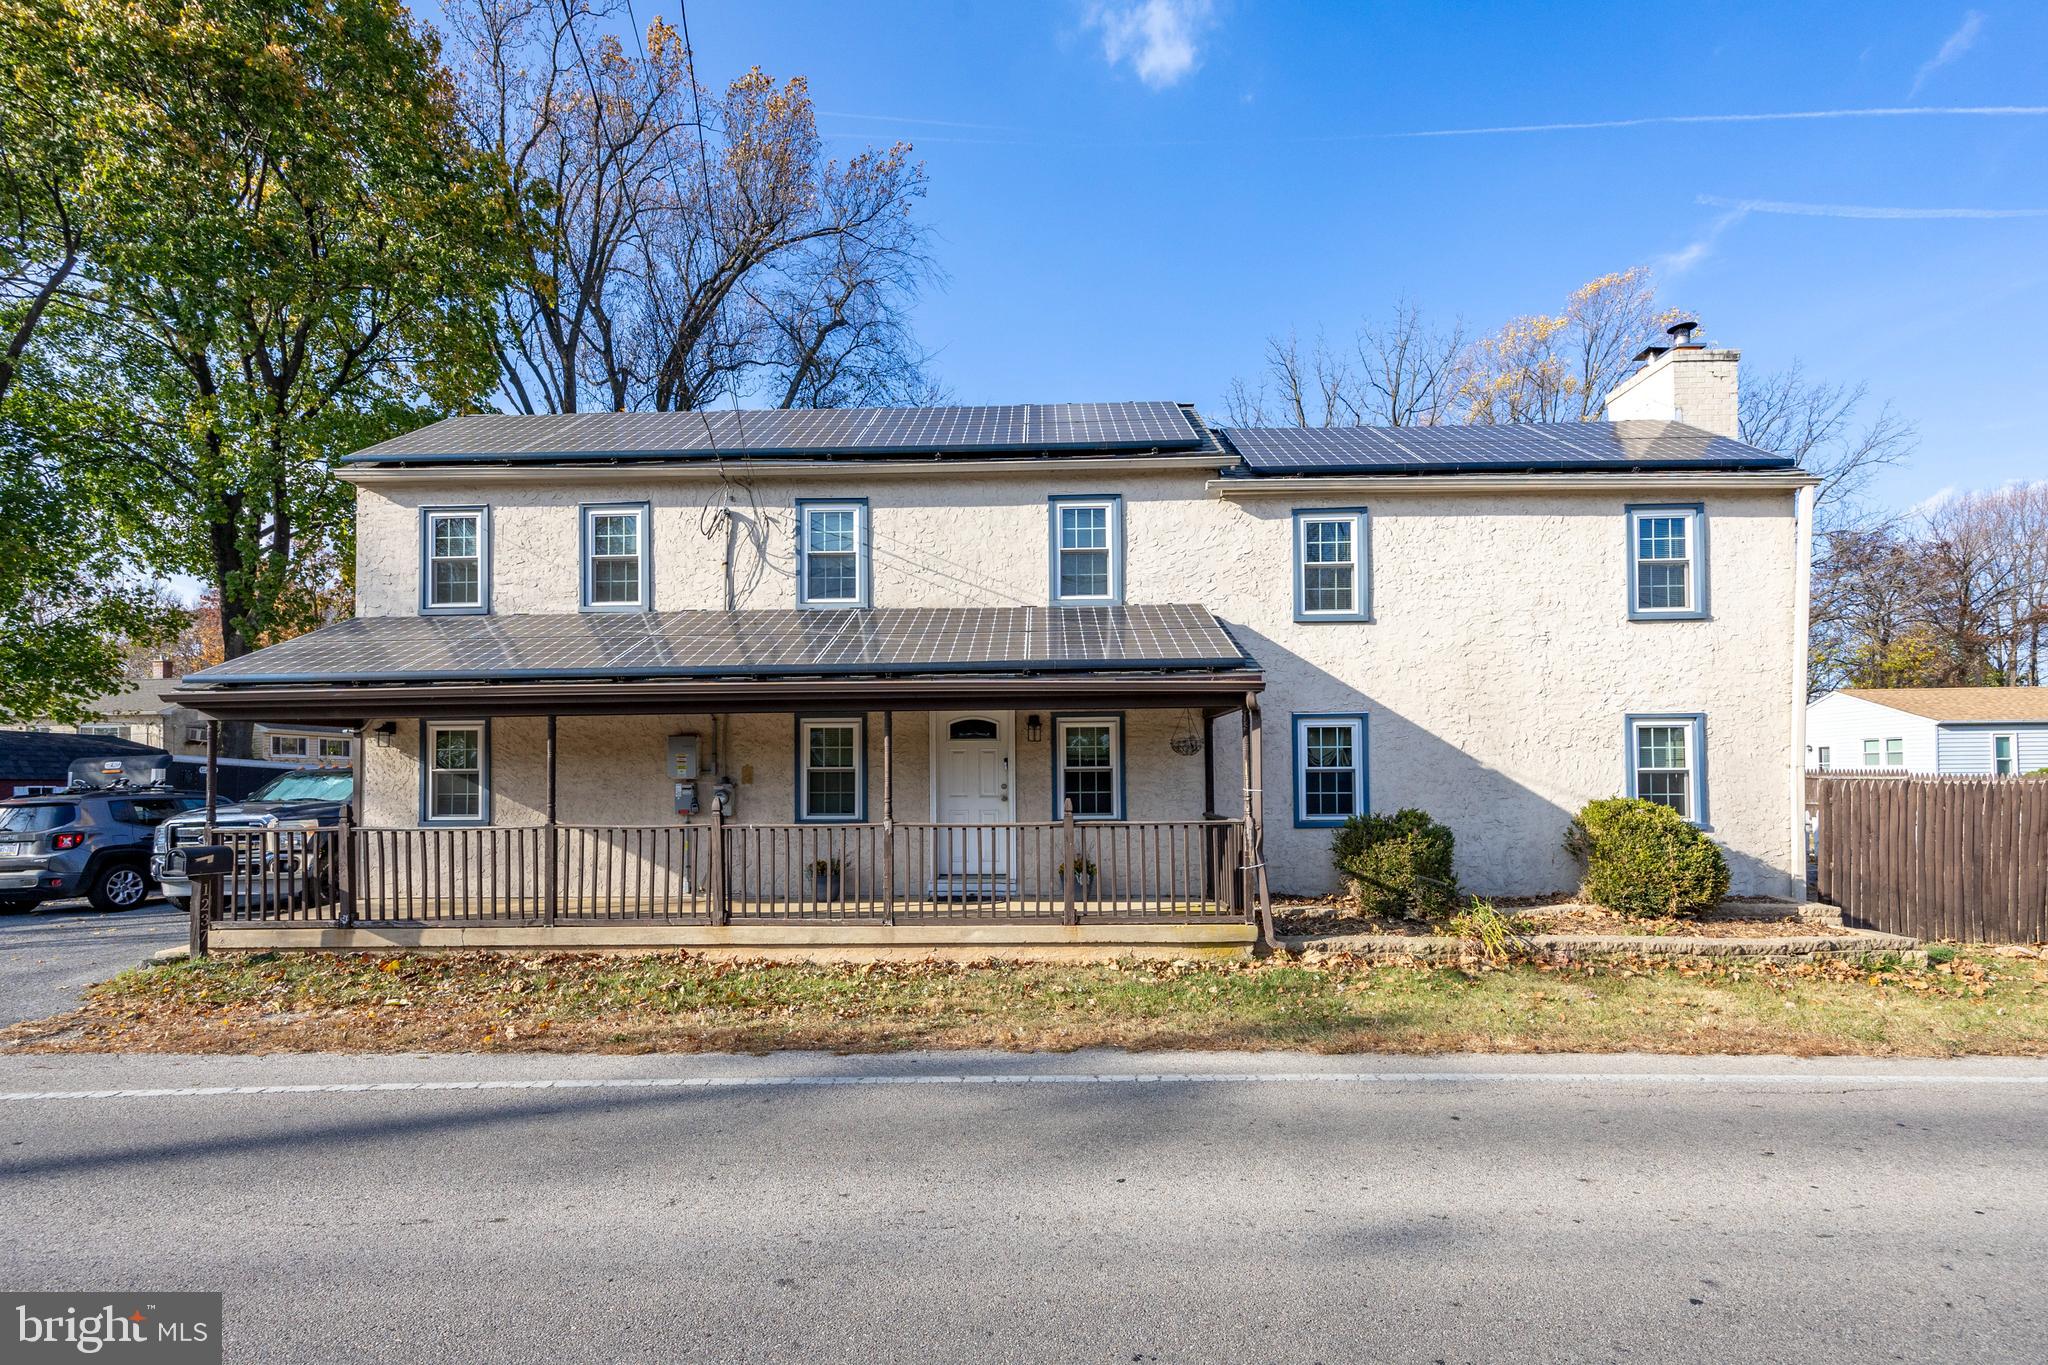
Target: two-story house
column 986, row 675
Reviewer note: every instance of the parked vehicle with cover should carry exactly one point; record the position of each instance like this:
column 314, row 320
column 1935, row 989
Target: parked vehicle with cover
column 299, row 801
column 84, row 841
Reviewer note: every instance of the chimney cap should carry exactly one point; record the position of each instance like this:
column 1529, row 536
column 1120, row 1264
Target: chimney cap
column 1681, row 331
column 1650, row 353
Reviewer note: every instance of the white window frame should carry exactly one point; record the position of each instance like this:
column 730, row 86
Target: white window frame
column 1826, row 752
column 1694, row 725
column 805, row 727
column 337, row 748
column 429, row 518
column 1695, row 561
column 1114, row 723
column 1361, row 785
column 643, row 556
column 430, row 732
column 1873, row 753
column 1357, row 518
column 105, row 730
column 1112, row 550
column 2012, row 753
column 1895, row 744
column 859, row 554
column 280, row 751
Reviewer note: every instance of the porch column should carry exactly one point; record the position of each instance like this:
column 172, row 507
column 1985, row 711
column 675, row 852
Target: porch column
column 1255, row 818
column 548, row 890
column 212, row 774
column 888, row 817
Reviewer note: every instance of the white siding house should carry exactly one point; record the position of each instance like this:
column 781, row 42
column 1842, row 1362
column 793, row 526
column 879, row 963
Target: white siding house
column 1937, row 731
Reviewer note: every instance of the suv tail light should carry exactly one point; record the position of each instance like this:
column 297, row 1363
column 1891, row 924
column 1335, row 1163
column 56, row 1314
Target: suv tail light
column 60, row 842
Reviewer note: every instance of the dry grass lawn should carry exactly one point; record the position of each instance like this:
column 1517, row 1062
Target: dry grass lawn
column 1976, row 1001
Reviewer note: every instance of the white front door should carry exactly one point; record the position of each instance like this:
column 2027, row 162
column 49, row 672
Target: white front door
column 971, row 781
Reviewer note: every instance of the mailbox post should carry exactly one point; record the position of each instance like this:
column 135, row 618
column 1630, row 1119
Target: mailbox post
column 205, row 864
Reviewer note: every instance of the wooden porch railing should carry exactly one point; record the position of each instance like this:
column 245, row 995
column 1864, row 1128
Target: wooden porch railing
column 1069, row 871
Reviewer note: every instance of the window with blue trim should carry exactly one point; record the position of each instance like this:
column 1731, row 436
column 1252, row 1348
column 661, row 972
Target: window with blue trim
column 1330, row 572
column 453, row 550
column 1087, row 565
column 1329, row 769
column 1664, row 562
column 455, row 774
column 833, row 767
column 615, row 563
column 831, row 545
column 1088, row 774
column 1667, row 763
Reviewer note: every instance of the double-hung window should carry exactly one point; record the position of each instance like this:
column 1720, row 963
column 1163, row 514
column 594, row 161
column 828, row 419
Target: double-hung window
column 1087, row 551
column 1329, row 769
column 1330, row 565
column 455, row 565
column 1090, row 753
column 2004, row 755
column 336, row 748
column 1667, row 578
column 455, row 782
column 832, row 554
column 832, row 779
column 1667, row 763
column 616, row 563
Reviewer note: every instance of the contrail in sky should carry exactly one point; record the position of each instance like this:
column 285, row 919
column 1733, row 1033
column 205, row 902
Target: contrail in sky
column 1858, row 210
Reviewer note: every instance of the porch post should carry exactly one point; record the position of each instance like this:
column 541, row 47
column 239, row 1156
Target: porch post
column 212, row 774
column 888, row 817
column 1256, row 888
column 1208, row 766
column 549, row 894
column 1067, row 860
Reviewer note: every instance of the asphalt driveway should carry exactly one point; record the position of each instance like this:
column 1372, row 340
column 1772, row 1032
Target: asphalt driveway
column 51, row 953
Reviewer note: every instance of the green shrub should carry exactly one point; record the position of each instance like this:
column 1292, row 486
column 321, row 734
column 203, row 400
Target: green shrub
column 1643, row 859
column 1397, row 864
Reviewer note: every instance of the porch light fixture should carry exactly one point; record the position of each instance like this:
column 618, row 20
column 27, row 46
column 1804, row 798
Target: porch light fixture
column 384, row 733
column 1033, row 730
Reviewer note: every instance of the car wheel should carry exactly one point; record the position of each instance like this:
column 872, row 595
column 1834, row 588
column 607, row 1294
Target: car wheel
column 119, row 886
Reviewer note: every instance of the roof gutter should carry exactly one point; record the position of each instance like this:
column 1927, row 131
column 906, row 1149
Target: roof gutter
column 1696, row 480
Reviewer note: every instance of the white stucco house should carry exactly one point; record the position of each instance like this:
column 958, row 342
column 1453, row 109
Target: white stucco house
column 1097, row 673
column 1941, row 731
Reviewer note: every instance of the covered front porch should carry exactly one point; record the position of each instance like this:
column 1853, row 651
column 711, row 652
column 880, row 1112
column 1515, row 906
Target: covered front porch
column 965, row 808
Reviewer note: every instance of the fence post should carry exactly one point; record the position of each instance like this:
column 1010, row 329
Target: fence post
column 1067, row 860
column 721, row 901
column 205, row 891
column 345, row 880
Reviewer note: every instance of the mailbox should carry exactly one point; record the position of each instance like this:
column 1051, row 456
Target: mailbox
column 209, row 860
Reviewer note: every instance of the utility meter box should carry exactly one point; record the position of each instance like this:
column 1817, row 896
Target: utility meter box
column 682, row 758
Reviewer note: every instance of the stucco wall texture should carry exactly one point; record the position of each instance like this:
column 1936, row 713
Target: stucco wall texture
column 1495, row 674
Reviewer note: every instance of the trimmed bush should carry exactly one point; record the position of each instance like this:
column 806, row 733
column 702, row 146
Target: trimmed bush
column 1399, row 864
column 1643, row 859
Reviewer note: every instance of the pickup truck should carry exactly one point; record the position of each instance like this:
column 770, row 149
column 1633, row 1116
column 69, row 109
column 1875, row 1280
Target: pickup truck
column 305, row 799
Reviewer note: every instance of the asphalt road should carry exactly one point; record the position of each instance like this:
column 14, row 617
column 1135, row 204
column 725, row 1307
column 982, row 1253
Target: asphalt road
column 1504, row 1209
column 51, row 953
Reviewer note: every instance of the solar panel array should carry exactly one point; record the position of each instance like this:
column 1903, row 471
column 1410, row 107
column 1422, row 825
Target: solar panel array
column 1522, row 447
column 677, row 644
column 847, row 431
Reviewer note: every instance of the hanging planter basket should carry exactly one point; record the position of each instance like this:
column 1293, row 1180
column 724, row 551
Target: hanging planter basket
column 1187, row 740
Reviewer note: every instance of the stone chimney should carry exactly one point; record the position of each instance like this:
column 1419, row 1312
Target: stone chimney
column 1685, row 381
column 163, row 668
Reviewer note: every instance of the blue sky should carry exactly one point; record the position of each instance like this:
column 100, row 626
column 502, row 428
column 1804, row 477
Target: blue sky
column 1130, row 195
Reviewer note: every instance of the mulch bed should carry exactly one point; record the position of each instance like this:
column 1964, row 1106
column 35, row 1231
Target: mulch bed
column 1313, row 916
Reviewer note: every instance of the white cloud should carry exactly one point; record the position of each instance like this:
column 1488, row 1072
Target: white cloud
column 1671, row 266
column 1957, row 43
column 1859, row 210
column 1157, row 37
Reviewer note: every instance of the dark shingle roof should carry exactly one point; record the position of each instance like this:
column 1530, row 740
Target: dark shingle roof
column 27, row 756
column 1016, row 428
column 891, row 641
column 1523, row 448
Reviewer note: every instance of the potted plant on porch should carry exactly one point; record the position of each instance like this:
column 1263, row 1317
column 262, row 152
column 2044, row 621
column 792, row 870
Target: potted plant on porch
column 825, row 879
column 1084, row 874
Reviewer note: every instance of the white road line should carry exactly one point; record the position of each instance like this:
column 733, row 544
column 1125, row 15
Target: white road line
column 1388, row 1078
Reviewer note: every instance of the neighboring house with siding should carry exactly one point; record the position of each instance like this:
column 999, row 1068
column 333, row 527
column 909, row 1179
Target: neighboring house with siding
column 142, row 713
column 1942, row 731
column 805, row 627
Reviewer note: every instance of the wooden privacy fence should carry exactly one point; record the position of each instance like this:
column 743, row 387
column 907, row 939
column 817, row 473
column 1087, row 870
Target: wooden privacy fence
column 1162, row 871
column 1936, row 857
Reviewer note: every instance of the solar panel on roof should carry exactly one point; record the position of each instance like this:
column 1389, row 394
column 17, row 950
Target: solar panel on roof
column 885, row 640
column 1018, row 427
column 1531, row 446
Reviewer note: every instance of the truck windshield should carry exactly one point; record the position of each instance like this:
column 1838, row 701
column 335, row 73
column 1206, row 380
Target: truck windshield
column 305, row 787
column 36, row 819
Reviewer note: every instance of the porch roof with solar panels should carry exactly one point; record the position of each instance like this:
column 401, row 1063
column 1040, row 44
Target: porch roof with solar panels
column 1016, row 429
column 607, row 647
column 1522, row 448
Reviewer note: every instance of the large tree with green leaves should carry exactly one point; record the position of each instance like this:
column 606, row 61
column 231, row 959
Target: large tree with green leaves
column 296, row 255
